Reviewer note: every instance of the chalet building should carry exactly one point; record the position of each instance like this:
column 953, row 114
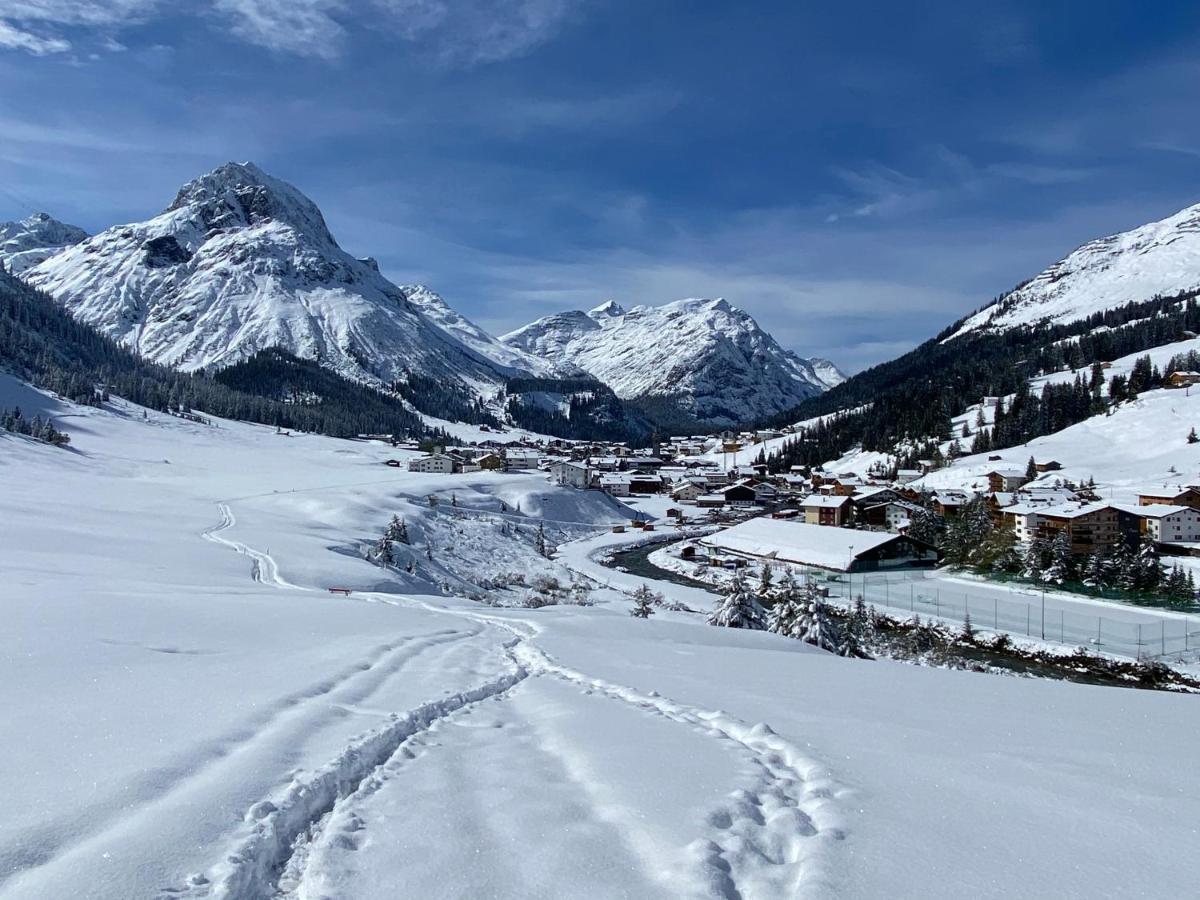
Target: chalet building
column 1182, row 379
column 688, row 491
column 1090, row 527
column 711, row 501
column 1167, row 524
column 1050, row 465
column 435, row 464
column 645, row 484
column 571, row 474
column 825, row 509
column 522, row 459
column 615, row 483
column 832, row 549
column 889, row 515
column 1003, row 480
column 740, row 494
column 764, row 492
column 904, row 476
column 490, row 462
column 1171, row 496
column 948, row 504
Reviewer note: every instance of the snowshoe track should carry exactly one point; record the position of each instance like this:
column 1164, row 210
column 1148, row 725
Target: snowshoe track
column 279, row 825
column 768, row 841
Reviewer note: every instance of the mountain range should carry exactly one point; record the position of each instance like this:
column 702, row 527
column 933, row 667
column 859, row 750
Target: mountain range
column 241, row 262
column 713, row 355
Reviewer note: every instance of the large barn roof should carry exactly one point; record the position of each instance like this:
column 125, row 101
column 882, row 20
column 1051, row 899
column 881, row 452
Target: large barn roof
column 796, row 542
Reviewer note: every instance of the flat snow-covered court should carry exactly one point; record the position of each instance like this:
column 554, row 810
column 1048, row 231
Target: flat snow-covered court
column 188, row 712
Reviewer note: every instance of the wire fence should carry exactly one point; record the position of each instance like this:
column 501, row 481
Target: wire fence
column 1163, row 637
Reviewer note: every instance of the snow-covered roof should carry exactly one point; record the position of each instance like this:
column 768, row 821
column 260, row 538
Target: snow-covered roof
column 828, row 501
column 791, row 541
column 1154, row 510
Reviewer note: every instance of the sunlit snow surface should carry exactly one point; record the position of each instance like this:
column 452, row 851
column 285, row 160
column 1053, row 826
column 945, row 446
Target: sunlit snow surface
column 189, row 712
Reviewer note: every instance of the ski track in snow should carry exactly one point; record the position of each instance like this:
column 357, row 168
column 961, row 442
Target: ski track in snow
column 769, row 840
column 264, row 569
column 282, row 724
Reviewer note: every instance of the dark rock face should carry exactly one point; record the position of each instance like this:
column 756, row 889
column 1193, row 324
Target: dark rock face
column 165, row 251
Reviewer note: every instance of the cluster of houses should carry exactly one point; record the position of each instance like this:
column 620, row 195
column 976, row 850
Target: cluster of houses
column 474, row 459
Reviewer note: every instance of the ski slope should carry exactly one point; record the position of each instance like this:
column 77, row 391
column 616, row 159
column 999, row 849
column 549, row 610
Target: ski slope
column 191, row 713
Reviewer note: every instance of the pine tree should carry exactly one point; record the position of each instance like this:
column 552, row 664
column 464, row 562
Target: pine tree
column 1148, row 570
column 822, row 632
column 1192, row 437
column 643, row 603
column 788, row 607
column 1096, row 570
column 739, row 609
column 1062, row 564
column 764, row 581
column 539, row 541
column 1031, row 471
column 383, row 551
column 1035, row 559
column 967, row 635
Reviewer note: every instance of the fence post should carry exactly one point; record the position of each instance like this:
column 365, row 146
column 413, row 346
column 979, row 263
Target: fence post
column 937, row 602
column 996, row 613
column 1062, row 628
column 912, row 602
column 1139, row 642
column 1163, row 622
column 1026, row 620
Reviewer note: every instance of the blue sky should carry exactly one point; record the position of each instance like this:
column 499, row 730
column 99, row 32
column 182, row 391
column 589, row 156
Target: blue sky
column 856, row 178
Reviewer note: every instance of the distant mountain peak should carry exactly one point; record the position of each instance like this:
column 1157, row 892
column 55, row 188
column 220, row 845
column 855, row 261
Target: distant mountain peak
column 607, row 309
column 35, row 239
column 709, row 356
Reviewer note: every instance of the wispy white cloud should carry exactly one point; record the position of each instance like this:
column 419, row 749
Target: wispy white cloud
column 13, row 38
column 301, row 27
column 453, row 33
column 473, row 32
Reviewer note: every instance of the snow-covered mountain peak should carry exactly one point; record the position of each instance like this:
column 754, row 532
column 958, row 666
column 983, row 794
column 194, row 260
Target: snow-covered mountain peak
column 710, row 356
column 239, row 194
column 241, row 262
column 34, row 239
column 609, row 309
column 1161, row 257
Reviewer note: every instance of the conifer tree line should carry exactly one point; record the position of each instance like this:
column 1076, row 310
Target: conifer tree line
column 908, row 403
column 793, row 610
column 15, row 421
column 593, row 411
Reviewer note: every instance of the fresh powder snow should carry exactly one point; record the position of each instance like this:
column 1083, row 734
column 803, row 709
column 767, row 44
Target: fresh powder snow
column 191, row 712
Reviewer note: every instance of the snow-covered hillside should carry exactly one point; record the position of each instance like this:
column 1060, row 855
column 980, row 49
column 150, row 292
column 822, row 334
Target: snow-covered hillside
column 35, row 239
column 241, row 261
column 191, row 713
column 712, row 356
column 1159, row 258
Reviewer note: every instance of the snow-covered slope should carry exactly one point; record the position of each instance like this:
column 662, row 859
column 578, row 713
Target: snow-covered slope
column 194, row 715
column 454, row 323
column 714, row 357
column 1159, row 258
column 30, row 241
column 241, row 261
